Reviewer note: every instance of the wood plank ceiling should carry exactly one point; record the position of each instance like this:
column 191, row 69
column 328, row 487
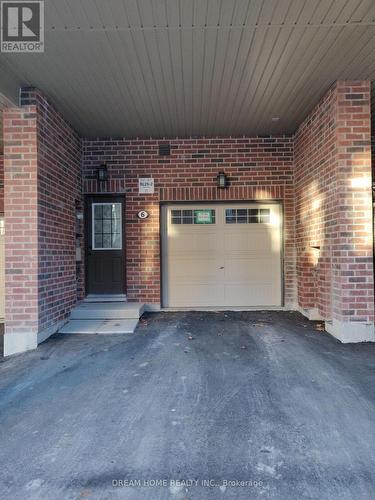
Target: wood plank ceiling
column 141, row 68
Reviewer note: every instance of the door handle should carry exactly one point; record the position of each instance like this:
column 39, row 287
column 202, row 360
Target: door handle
column 222, row 267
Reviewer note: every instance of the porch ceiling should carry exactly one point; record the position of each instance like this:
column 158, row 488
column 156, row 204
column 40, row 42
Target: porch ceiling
column 140, row 68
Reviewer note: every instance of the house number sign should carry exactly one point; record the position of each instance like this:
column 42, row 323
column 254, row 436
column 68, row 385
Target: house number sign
column 143, row 214
column 146, row 185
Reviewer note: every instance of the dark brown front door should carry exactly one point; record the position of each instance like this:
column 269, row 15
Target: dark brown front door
column 105, row 261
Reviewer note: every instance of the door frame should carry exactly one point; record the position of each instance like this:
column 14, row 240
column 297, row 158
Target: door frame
column 102, row 197
column 163, row 228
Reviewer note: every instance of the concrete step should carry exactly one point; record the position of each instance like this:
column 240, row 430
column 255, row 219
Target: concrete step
column 105, row 298
column 107, row 310
column 99, row 327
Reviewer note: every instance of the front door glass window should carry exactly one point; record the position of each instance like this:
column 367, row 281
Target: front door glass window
column 106, row 226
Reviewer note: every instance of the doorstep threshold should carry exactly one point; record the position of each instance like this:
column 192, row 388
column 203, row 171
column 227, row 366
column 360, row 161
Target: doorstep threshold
column 105, row 298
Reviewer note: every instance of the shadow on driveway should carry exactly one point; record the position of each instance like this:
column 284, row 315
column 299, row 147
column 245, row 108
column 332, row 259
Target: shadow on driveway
column 236, row 404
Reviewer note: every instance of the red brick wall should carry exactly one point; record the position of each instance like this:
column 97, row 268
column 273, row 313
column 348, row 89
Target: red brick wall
column 1, row 183
column 315, row 187
column 334, row 207
column 59, row 187
column 258, row 168
column 42, row 182
column 21, row 212
column 1, row 166
column 352, row 256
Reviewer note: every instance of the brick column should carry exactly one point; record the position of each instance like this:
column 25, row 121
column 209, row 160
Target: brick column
column 352, row 242
column 1, row 181
column 334, row 212
column 43, row 186
column 21, row 232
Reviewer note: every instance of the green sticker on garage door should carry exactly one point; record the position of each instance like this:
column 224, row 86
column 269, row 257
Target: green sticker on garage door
column 203, row 217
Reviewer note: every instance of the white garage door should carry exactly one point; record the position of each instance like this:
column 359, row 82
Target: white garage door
column 222, row 255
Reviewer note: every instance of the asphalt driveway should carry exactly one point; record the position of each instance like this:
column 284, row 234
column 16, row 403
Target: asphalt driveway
column 192, row 406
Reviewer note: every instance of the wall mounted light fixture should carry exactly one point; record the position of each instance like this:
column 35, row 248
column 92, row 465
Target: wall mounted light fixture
column 102, row 173
column 222, row 181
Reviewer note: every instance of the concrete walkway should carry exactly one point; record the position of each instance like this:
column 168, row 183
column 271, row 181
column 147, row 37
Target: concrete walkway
column 262, row 398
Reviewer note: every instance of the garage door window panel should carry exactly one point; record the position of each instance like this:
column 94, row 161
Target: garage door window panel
column 247, row 216
column 196, row 217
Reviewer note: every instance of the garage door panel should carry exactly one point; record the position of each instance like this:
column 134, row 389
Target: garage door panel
column 226, row 263
column 200, row 295
column 241, row 295
column 252, row 241
column 256, row 271
column 195, row 270
column 197, row 242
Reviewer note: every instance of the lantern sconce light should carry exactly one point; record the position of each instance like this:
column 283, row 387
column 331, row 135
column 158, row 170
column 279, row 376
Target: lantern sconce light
column 222, row 180
column 102, row 173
